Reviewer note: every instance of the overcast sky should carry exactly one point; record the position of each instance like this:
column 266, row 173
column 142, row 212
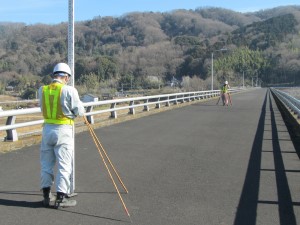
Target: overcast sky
column 56, row 11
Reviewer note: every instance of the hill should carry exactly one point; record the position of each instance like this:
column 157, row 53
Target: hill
column 145, row 50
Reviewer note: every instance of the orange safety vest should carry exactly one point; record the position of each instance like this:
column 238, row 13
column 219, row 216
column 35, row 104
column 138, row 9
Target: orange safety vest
column 52, row 110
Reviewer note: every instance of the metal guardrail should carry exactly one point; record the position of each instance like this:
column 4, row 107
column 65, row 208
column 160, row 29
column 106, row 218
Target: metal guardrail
column 113, row 106
column 291, row 102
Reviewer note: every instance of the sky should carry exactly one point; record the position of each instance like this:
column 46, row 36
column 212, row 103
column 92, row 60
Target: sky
column 53, row 12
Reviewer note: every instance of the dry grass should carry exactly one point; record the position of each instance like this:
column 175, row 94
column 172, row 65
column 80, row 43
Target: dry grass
column 5, row 98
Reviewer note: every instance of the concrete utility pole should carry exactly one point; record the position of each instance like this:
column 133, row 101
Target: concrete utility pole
column 71, row 40
column 243, row 80
column 212, row 71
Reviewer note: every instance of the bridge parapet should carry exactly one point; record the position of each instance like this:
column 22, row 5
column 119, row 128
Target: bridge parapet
column 289, row 101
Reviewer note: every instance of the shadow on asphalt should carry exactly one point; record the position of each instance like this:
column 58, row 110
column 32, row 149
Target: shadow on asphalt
column 16, row 203
column 38, row 204
column 95, row 216
column 20, row 193
column 249, row 200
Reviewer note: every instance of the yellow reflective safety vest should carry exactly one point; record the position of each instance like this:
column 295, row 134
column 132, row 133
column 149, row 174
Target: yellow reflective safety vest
column 224, row 89
column 52, row 110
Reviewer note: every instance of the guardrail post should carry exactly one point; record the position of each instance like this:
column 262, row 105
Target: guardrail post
column 113, row 114
column 176, row 101
column 12, row 134
column 168, row 102
column 131, row 110
column 189, row 98
column 193, row 97
column 182, row 100
column 146, row 107
column 90, row 118
column 157, row 104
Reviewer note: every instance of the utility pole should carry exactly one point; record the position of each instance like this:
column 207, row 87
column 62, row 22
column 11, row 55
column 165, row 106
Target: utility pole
column 71, row 65
column 212, row 71
column 71, row 40
column 243, row 80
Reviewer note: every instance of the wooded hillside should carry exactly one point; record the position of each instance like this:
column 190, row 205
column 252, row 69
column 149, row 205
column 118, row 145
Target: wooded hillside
column 150, row 50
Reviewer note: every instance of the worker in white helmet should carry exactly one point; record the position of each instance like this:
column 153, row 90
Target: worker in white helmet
column 60, row 104
column 224, row 92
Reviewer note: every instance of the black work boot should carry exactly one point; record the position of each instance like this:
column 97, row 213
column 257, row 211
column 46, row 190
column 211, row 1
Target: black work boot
column 63, row 202
column 48, row 197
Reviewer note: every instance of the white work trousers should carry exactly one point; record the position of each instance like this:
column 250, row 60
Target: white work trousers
column 57, row 146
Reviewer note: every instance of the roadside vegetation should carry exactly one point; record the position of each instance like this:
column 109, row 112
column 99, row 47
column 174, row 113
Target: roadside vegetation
column 156, row 52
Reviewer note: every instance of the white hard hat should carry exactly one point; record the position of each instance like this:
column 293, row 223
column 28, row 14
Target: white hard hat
column 62, row 69
column 226, row 82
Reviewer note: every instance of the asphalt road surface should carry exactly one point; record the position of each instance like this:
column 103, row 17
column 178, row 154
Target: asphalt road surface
column 203, row 164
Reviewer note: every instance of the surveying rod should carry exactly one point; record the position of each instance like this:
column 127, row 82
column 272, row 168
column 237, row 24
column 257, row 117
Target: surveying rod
column 71, row 65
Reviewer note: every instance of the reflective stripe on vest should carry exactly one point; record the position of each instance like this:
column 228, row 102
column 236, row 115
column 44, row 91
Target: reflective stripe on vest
column 52, row 110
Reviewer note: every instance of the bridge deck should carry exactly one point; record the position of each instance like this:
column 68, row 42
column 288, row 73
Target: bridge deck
column 200, row 164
